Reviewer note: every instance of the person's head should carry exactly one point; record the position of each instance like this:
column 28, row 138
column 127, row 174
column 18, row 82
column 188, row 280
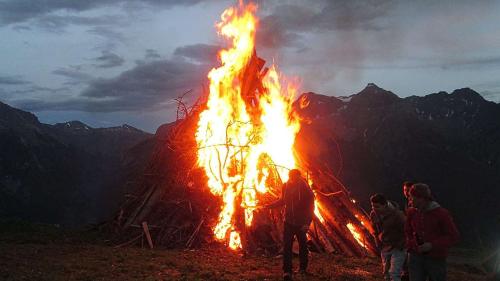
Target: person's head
column 406, row 188
column 379, row 203
column 294, row 175
column 420, row 195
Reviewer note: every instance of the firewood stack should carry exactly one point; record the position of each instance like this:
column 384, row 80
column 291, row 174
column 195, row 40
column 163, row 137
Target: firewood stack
column 173, row 202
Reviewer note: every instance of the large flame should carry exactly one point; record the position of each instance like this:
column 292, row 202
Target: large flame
column 240, row 143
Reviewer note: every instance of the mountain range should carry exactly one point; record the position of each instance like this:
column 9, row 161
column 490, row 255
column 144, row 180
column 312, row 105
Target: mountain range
column 67, row 173
column 372, row 141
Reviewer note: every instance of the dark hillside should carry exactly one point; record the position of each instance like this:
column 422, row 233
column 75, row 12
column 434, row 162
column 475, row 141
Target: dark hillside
column 60, row 173
column 374, row 141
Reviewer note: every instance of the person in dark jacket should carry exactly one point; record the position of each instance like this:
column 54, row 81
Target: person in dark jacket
column 388, row 222
column 298, row 199
column 405, row 276
column 430, row 232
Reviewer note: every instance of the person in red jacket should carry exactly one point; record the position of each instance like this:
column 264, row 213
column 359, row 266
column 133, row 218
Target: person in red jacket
column 430, row 232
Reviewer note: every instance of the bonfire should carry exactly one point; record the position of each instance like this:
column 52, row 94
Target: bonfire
column 230, row 153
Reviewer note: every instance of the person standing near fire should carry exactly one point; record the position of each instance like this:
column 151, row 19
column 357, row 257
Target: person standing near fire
column 405, row 276
column 388, row 222
column 406, row 192
column 298, row 199
column 430, row 232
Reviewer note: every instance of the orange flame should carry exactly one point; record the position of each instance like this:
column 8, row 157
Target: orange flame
column 359, row 238
column 317, row 212
column 239, row 145
column 234, row 240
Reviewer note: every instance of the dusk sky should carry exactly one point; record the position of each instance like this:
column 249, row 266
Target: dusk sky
column 110, row 62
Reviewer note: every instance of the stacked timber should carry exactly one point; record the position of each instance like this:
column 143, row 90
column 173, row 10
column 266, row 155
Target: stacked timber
column 173, row 207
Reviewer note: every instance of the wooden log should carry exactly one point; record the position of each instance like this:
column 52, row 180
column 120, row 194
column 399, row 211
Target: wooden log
column 315, row 239
column 345, row 211
column 140, row 226
column 132, row 218
column 151, row 202
column 344, row 218
column 251, row 79
column 260, row 87
column 128, row 242
column 168, row 231
column 323, row 237
column 148, row 235
column 336, row 229
column 191, row 238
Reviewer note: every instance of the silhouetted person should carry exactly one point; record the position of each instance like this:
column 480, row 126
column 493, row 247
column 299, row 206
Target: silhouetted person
column 388, row 222
column 430, row 232
column 406, row 192
column 298, row 199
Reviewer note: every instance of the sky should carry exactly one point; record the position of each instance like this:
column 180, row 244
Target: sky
column 113, row 62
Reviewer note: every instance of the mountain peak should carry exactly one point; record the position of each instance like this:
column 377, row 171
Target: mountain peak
column 131, row 128
column 16, row 116
column 372, row 85
column 124, row 128
column 73, row 125
column 468, row 94
column 373, row 95
column 372, row 88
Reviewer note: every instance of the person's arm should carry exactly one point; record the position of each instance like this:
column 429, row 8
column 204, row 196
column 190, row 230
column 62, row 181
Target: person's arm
column 330, row 194
column 411, row 242
column 449, row 235
column 374, row 220
column 401, row 217
column 278, row 203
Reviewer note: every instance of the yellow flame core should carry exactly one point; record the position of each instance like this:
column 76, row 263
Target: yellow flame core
column 234, row 240
column 232, row 138
column 356, row 235
column 317, row 212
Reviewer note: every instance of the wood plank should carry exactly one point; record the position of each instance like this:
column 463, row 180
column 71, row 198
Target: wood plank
column 148, row 235
column 191, row 238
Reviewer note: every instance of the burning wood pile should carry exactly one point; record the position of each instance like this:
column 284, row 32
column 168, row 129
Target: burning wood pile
column 232, row 153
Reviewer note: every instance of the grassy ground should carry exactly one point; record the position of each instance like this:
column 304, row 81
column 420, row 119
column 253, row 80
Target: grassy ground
column 44, row 252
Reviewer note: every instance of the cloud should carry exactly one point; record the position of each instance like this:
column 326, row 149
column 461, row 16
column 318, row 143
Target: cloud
column 451, row 63
column 490, row 90
column 17, row 11
column 12, row 80
column 107, row 33
column 74, row 74
column 152, row 54
column 492, row 95
column 38, row 89
column 471, row 63
column 108, row 60
column 147, row 86
column 20, row 28
column 57, row 23
column 111, row 37
column 202, row 53
column 285, row 25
